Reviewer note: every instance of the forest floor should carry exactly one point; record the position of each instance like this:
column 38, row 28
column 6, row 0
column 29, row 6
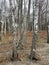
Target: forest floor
column 42, row 50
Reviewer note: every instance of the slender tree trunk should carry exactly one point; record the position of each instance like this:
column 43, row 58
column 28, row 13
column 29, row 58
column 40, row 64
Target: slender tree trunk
column 47, row 25
column 5, row 26
column 8, row 25
column 14, row 31
column 35, row 29
column 28, row 14
column 0, row 22
column 48, row 34
column 2, row 30
column 24, row 24
column 46, row 21
column 20, row 21
column 46, row 15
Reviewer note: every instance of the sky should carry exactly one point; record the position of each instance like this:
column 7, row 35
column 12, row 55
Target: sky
column 27, row 4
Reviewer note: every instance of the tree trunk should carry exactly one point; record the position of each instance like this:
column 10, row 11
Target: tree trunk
column 20, row 21
column 28, row 13
column 35, row 30
column 5, row 26
column 24, row 24
column 2, row 31
column 8, row 25
column 48, row 34
column 47, row 22
column 14, row 31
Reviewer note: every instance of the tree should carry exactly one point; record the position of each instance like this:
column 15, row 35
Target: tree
column 1, row 34
column 3, row 19
column 4, row 12
column 47, row 22
column 35, row 29
column 24, row 24
column 20, row 20
column 28, row 13
column 40, row 14
column 14, row 31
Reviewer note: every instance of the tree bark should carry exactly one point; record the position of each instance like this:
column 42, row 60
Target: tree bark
column 35, row 30
column 14, row 31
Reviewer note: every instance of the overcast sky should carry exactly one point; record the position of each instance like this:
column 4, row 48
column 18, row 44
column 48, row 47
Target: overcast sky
column 27, row 4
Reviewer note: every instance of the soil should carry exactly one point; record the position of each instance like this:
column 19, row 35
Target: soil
column 42, row 50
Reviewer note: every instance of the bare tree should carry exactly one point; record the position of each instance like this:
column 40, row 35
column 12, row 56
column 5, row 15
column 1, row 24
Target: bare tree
column 14, row 31
column 5, row 16
column 20, row 20
column 24, row 24
column 8, row 24
column 35, row 29
column 47, row 22
column 0, row 23
column 40, row 20
column 28, row 13
column 3, row 19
